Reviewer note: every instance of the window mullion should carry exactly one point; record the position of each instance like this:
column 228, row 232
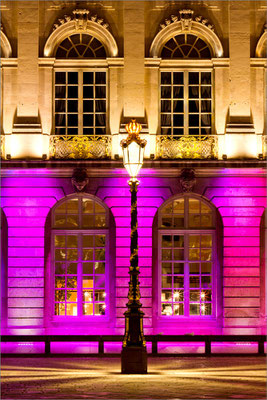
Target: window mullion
column 186, row 105
column 80, row 102
column 79, row 277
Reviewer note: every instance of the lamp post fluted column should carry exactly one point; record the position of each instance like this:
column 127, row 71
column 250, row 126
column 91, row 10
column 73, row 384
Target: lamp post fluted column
column 134, row 353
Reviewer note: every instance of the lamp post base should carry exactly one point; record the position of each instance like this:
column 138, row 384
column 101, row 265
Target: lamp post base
column 134, row 360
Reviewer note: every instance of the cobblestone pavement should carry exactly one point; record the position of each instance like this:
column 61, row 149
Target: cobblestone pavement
column 167, row 378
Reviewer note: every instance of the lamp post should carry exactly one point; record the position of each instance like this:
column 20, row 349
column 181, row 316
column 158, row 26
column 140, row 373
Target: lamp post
column 134, row 354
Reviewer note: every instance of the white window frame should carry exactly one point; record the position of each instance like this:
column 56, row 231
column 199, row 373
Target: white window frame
column 80, row 70
column 184, row 66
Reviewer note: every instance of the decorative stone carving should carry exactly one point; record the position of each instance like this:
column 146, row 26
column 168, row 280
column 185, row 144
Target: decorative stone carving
column 79, row 179
column 81, row 18
column 187, row 179
column 186, row 18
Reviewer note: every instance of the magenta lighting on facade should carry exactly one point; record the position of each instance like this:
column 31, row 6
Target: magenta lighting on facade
column 134, row 352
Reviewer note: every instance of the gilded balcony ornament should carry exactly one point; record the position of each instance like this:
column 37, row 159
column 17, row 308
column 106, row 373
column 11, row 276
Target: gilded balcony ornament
column 187, row 147
column 80, row 147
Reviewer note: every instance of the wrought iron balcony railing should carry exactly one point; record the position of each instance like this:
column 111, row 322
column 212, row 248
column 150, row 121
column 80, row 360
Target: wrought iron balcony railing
column 191, row 147
column 80, row 147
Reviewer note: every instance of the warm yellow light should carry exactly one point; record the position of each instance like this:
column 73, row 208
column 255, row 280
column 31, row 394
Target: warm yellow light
column 133, row 127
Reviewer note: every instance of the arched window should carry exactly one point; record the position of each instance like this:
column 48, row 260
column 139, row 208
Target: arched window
column 80, row 93
column 186, row 46
column 187, row 258
column 80, row 257
column 81, row 46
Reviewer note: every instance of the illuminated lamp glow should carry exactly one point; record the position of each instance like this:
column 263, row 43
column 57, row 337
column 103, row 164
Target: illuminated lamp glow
column 133, row 149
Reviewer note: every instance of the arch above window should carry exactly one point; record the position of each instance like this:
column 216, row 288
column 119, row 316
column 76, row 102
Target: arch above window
column 6, row 50
column 262, row 44
column 195, row 28
column 92, row 28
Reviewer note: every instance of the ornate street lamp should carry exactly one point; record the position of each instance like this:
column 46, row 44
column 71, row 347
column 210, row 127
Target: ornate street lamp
column 134, row 354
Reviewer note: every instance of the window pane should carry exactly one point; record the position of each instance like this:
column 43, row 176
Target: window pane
column 166, row 281
column 205, row 268
column 178, row 282
column 178, row 254
column 166, row 254
column 72, row 295
column 178, row 78
column 59, row 241
column 88, row 206
column 194, row 268
column 194, row 309
column 166, row 268
column 194, row 241
column 194, row 282
column 59, row 282
column 178, row 222
column 72, row 206
column 178, row 309
column 99, row 267
column 165, row 78
column 88, row 268
column 166, row 309
column 178, row 206
column 88, row 241
column 87, row 283
column 72, row 241
column 178, row 241
column 166, row 295
column 72, row 77
column 72, row 268
column 178, row 268
column 99, row 281
column 72, row 309
column 100, row 240
column 166, row 241
column 88, row 77
column 60, row 77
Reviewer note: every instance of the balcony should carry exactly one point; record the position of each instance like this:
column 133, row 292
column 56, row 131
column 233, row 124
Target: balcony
column 80, row 147
column 187, row 147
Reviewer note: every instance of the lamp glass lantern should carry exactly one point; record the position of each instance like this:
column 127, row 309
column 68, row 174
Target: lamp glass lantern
column 133, row 149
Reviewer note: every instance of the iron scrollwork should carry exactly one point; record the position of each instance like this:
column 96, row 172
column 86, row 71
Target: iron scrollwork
column 192, row 147
column 80, row 147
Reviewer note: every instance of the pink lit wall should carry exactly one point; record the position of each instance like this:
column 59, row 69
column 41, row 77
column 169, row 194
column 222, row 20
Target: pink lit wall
column 239, row 197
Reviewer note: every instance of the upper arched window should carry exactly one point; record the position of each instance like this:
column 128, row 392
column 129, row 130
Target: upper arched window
column 81, row 46
column 186, row 45
column 187, row 258
column 80, row 93
column 80, row 261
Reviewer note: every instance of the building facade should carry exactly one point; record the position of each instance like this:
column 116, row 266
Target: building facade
column 194, row 75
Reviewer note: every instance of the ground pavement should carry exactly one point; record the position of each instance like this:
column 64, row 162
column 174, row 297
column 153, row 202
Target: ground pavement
column 167, row 378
